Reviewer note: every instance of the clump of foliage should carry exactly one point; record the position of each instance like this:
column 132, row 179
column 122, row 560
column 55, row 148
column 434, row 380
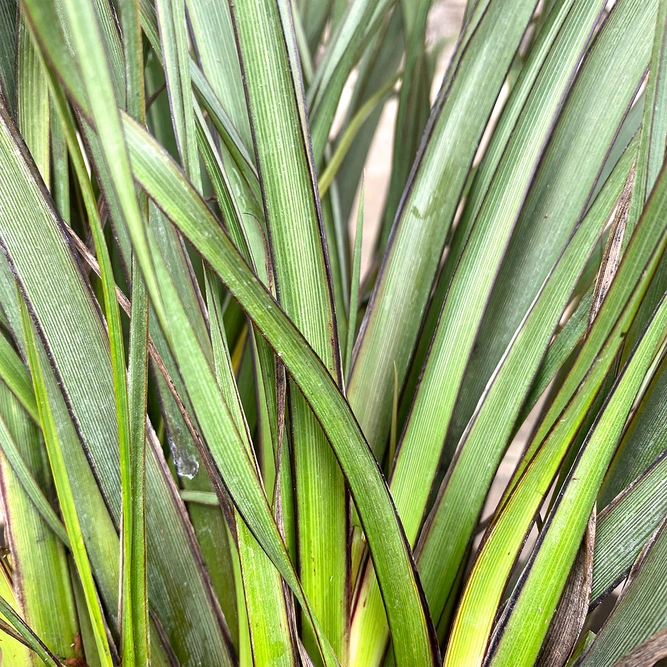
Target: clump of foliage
column 219, row 448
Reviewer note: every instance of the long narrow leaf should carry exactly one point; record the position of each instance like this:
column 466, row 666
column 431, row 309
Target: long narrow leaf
column 640, row 614
column 66, row 498
column 134, row 622
column 420, row 449
column 295, row 225
column 25, row 632
column 265, row 597
column 40, row 577
column 564, row 185
column 15, row 652
column 625, row 526
column 25, row 477
column 15, row 376
column 522, row 630
column 392, row 560
column 441, row 168
column 91, row 395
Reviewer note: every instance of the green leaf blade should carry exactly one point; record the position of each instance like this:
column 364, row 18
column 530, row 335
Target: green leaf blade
column 392, row 559
column 457, row 122
column 295, row 228
column 522, row 630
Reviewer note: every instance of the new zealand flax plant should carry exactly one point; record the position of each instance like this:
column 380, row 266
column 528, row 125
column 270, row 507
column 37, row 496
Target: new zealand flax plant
column 220, row 447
